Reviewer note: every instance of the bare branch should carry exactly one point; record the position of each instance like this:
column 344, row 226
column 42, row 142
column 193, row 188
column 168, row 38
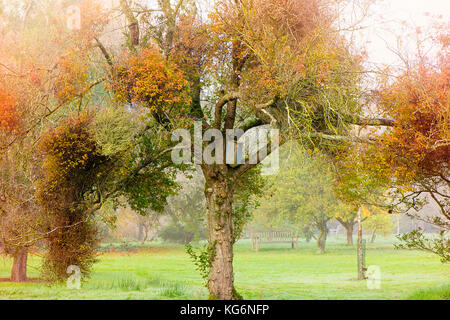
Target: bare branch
column 371, row 122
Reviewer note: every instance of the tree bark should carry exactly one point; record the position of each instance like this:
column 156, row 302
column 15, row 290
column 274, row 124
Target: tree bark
column 140, row 232
column 19, row 268
column 322, row 239
column 349, row 228
column 219, row 205
column 145, row 234
column 359, row 249
column 372, row 238
column 133, row 23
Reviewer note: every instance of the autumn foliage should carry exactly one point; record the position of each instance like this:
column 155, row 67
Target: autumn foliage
column 72, row 78
column 71, row 163
column 8, row 115
column 149, row 78
column 419, row 101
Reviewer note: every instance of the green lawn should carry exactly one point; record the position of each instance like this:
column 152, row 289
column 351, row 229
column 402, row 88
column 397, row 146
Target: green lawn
column 162, row 271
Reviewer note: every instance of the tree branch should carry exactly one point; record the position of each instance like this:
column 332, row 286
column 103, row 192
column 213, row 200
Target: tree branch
column 371, row 122
column 104, row 52
column 219, row 106
column 341, row 138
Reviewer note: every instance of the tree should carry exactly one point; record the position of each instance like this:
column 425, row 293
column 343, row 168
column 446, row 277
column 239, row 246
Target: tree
column 71, row 164
column 360, row 187
column 19, row 214
column 146, row 224
column 30, row 47
column 378, row 224
column 302, row 195
column 348, row 221
column 254, row 62
column 81, row 173
column 22, row 96
column 414, row 153
column 187, row 209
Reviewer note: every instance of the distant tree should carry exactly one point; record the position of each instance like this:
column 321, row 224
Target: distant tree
column 380, row 224
column 187, row 208
column 146, row 223
column 302, row 194
column 359, row 187
column 348, row 221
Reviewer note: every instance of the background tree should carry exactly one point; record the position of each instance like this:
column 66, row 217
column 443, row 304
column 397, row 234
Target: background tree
column 186, row 211
column 302, row 194
column 19, row 214
column 146, row 224
column 378, row 224
column 348, row 220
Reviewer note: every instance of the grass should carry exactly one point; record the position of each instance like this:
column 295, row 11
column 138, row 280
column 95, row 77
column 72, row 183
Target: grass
column 437, row 293
column 161, row 271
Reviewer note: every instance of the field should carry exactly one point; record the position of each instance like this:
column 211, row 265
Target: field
column 162, row 271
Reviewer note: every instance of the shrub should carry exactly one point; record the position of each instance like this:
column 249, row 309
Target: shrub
column 177, row 234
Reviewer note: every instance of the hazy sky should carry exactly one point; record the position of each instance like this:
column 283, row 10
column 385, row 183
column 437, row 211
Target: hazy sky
column 383, row 35
column 417, row 13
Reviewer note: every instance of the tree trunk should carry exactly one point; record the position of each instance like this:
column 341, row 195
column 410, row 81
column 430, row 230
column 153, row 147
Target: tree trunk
column 308, row 238
column 359, row 250
column 348, row 225
column 322, row 239
column 133, row 24
column 349, row 228
column 219, row 200
column 19, row 268
column 140, row 232
column 372, row 239
column 308, row 234
column 145, row 234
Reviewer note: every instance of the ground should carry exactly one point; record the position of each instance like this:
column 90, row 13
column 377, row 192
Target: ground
column 162, row 271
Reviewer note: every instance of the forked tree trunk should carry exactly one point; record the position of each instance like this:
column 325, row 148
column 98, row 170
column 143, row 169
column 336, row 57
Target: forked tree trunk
column 19, row 268
column 219, row 200
column 348, row 225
